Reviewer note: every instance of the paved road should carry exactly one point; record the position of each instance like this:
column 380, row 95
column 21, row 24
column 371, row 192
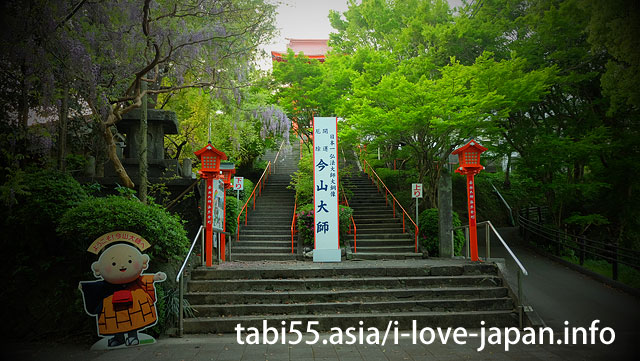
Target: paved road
column 558, row 294
column 226, row 348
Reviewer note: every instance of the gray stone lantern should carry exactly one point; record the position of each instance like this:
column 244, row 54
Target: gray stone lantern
column 159, row 123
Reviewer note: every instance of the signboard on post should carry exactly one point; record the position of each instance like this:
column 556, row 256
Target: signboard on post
column 325, row 187
column 238, row 183
column 416, row 190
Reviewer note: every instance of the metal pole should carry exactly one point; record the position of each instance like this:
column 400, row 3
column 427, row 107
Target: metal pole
column 417, row 222
column 520, row 307
column 181, row 308
column 466, row 236
column 487, row 241
column 202, row 260
column 238, row 201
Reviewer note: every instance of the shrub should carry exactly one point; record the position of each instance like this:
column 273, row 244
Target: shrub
column 305, row 226
column 233, row 206
column 429, row 232
column 48, row 195
column 302, row 180
column 97, row 216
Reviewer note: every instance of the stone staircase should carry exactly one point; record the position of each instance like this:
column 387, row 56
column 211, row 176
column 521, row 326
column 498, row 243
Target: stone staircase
column 379, row 234
column 267, row 235
column 435, row 293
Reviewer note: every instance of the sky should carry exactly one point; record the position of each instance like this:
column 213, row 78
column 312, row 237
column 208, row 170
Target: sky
column 306, row 19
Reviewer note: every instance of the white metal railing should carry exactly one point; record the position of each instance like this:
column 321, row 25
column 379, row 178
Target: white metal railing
column 504, row 201
column 275, row 160
column 521, row 270
column 180, row 279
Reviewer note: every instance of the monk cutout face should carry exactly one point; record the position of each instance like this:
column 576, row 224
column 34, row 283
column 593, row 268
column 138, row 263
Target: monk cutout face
column 120, row 263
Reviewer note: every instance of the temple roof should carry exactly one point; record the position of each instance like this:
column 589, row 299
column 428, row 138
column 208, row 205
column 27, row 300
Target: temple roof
column 311, row 48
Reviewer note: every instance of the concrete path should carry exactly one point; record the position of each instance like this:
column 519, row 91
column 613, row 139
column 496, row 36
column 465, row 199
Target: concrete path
column 226, row 348
column 558, row 294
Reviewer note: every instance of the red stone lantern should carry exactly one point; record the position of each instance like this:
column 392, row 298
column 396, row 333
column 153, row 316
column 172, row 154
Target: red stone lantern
column 469, row 159
column 228, row 170
column 210, row 159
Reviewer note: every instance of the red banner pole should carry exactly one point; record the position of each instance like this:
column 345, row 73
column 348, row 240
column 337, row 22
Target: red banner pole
column 209, row 228
column 471, row 202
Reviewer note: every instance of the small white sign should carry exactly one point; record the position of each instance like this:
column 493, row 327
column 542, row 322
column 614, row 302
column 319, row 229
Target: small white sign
column 238, row 183
column 416, row 190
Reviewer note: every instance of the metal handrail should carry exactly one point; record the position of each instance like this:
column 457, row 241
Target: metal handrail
column 388, row 192
column 355, row 230
column 180, row 280
column 584, row 246
column 521, row 269
column 504, row 201
column 293, row 222
column 275, row 160
column 259, row 186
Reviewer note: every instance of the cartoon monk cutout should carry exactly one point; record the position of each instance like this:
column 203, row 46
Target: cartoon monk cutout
column 123, row 301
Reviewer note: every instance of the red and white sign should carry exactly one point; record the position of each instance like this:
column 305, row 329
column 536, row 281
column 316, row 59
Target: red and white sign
column 238, row 183
column 416, row 190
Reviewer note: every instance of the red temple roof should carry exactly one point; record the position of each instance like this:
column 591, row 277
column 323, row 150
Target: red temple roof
column 312, row 48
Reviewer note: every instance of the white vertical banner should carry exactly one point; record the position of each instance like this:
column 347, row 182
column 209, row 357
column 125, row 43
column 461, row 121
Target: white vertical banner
column 218, row 205
column 325, row 187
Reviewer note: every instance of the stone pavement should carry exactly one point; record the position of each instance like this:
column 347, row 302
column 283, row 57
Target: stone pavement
column 226, row 348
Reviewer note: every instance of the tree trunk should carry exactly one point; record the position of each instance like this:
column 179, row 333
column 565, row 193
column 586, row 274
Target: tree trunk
column 24, row 99
column 113, row 156
column 142, row 156
column 445, row 214
column 507, row 173
column 62, row 128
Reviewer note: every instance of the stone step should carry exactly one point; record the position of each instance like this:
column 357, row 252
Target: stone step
column 265, row 221
column 381, row 242
column 260, row 227
column 264, row 243
column 352, row 295
column 364, row 202
column 375, row 216
column 482, row 304
column 253, row 249
column 263, row 256
column 392, row 223
column 313, row 270
column 382, row 236
column 371, row 229
column 264, row 237
column 344, row 283
column 274, row 207
column 407, row 248
column 325, row 322
column 380, row 256
column 270, row 214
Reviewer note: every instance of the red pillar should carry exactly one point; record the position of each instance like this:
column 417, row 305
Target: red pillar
column 471, row 203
